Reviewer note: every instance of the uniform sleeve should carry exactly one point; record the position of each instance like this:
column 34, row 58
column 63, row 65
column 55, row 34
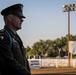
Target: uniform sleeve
column 7, row 59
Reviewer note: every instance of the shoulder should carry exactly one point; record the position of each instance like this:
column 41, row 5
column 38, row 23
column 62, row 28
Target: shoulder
column 3, row 33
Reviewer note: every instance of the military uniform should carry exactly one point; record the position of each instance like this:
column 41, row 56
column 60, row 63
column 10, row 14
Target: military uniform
column 12, row 57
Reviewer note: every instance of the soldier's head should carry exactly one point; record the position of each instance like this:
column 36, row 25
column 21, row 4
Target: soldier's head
column 13, row 16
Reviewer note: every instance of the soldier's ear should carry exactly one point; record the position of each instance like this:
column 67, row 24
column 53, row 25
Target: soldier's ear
column 9, row 17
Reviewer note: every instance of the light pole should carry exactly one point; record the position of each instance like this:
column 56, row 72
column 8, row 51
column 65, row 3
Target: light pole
column 68, row 8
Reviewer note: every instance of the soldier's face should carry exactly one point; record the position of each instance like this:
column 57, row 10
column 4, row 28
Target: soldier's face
column 16, row 22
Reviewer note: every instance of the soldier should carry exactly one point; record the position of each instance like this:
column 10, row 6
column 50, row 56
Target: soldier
column 12, row 52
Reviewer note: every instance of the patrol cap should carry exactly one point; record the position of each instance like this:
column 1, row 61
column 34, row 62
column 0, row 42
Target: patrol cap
column 15, row 9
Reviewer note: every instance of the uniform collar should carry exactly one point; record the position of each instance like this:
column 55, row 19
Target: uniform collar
column 13, row 34
column 10, row 30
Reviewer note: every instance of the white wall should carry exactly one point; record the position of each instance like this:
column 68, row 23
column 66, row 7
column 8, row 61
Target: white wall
column 38, row 63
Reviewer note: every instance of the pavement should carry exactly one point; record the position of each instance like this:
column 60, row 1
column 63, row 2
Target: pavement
column 54, row 71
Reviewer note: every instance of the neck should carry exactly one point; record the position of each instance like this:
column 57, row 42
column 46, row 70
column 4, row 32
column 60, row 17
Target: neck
column 14, row 31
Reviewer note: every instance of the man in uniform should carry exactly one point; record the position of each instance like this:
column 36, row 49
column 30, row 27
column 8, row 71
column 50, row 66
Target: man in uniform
column 12, row 52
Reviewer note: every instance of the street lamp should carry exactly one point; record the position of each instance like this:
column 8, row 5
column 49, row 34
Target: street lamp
column 68, row 8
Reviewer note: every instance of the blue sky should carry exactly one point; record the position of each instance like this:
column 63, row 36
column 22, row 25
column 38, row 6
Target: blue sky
column 44, row 19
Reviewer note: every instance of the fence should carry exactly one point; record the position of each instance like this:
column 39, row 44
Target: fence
column 38, row 63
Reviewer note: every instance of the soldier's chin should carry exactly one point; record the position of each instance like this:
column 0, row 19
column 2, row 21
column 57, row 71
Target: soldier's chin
column 18, row 28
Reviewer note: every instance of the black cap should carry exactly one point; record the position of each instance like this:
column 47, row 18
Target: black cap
column 15, row 9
